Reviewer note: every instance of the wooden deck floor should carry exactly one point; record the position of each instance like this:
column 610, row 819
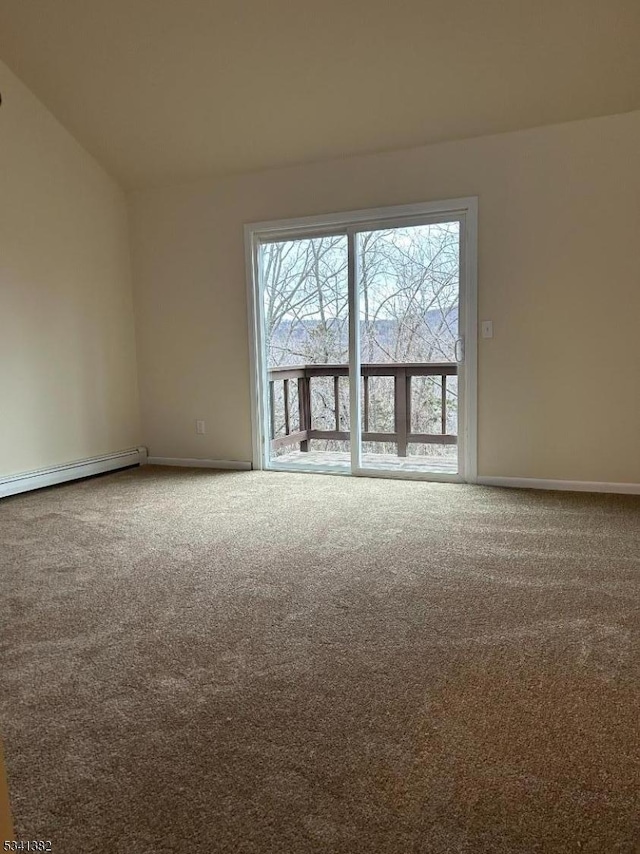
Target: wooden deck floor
column 341, row 461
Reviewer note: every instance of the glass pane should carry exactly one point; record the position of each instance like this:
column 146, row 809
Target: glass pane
column 305, row 294
column 409, row 289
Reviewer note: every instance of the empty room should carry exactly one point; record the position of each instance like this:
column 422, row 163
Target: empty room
column 320, row 427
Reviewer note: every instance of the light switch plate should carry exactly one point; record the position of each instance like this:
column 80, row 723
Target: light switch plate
column 487, row 328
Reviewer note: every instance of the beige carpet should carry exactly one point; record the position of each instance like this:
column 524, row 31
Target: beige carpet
column 253, row 662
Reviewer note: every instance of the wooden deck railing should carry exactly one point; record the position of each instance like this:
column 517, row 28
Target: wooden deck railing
column 402, row 373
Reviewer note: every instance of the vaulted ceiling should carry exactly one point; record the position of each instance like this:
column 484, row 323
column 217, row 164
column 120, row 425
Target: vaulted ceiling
column 169, row 90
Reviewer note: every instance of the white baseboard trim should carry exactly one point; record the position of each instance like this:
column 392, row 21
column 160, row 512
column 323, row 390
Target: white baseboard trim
column 186, row 462
column 564, row 485
column 26, row 481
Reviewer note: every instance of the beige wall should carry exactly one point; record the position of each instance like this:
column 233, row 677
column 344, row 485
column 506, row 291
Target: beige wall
column 559, row 274
column 68, row 387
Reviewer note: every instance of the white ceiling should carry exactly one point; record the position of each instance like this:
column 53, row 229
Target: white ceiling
column 169, row 90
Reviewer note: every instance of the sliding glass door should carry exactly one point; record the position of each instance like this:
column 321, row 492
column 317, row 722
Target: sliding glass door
column 409, row 326
column 305, row 300
column 363, row 342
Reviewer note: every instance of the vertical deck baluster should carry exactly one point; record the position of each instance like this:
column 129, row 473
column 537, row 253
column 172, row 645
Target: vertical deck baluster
column 272, row 408
column 309, row 403
column 287, row 419
column 401, row 410
column 365, row 409
column 444, row 403
column 336, row 400
column 303, row 409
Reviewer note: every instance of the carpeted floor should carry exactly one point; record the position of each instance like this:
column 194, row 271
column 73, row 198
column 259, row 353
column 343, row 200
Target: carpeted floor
column 255, row 662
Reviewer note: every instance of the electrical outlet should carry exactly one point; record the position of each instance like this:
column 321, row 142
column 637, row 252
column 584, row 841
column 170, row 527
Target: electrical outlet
column 200, row 427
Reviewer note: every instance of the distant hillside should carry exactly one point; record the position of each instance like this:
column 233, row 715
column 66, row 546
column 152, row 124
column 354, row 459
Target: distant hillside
column 294, row 342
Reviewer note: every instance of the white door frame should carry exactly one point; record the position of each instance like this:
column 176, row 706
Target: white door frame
column 465, row 211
